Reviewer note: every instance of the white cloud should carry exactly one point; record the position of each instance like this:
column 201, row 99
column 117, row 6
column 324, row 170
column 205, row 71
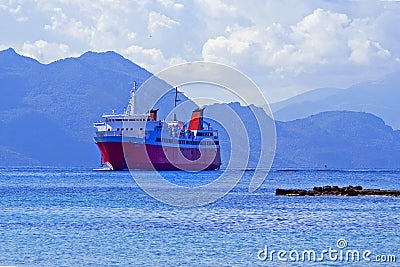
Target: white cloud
column 71, row 26
column 320, row 38
column 15, row 9
column 308, row 45
column 158, row 21
column 216, row 8
column 45, row 52
column 171, row 4
column 97, row 27
column 150, row 58
column 363, row 51
column 364, row 48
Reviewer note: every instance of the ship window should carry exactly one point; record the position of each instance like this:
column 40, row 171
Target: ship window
column 141, row 128
column 126, row 129
column 108, row 129
column 131, row 129
column 117, row 129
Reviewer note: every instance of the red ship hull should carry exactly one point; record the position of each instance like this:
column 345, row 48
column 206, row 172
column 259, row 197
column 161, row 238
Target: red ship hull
column 119, row 156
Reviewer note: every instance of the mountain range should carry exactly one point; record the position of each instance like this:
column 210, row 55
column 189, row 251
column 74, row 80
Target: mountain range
column 377, row 97
column 47, row 112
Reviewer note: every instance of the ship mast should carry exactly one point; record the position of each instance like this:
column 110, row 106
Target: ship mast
column 176, row 101
column 131, row 105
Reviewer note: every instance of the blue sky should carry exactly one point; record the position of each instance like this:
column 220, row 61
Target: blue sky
column 286, row 47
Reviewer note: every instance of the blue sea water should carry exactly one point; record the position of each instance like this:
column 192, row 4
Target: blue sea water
column 81, row 217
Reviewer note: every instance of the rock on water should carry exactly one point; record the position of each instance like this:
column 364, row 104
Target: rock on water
column 337, row 191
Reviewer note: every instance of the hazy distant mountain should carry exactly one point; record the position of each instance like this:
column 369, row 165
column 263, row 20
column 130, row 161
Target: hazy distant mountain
column 244, row 133
column 378, row 97
column 47, row 111
column 304, row 98
column 338, row 139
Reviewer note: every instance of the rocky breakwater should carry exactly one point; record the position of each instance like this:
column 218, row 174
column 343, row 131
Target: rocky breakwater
column 337, row 191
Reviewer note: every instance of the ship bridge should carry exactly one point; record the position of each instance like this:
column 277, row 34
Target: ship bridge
column 128, row 125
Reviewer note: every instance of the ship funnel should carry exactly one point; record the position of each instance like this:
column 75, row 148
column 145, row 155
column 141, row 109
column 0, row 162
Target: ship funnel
column 153, row 114
column 196, row 122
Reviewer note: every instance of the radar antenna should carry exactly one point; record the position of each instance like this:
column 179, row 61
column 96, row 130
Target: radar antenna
column 131, row 105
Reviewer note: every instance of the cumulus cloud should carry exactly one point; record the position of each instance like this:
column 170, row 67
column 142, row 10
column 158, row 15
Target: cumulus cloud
column 308, row 45
column 45, row 52
column 150, row 58
column 15, row 9
column 216, row 8
column 171, row 4
column 320, row 38
column 3, row 47
column 159, row 21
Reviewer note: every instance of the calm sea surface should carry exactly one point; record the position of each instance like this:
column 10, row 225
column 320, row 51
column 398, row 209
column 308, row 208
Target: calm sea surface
column 81, row 217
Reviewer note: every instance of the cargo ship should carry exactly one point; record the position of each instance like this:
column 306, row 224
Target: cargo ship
column 141, row 141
